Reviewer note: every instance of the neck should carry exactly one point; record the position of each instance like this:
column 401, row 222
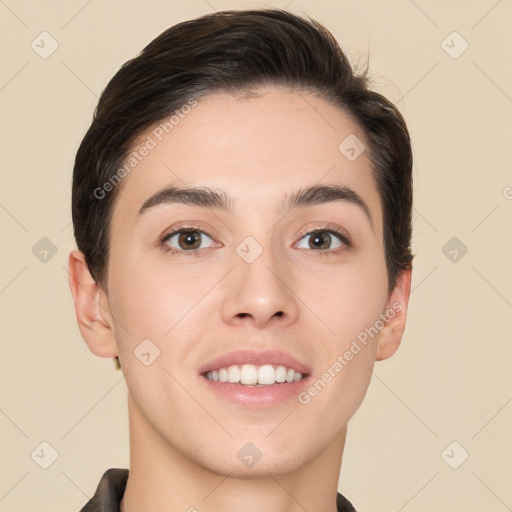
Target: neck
column 163, row 479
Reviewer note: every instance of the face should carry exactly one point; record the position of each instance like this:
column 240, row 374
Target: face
column 198, row 291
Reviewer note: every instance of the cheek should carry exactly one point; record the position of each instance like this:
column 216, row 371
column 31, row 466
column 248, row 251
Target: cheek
column 347, row 301
column 351, row 308
column 157, row 304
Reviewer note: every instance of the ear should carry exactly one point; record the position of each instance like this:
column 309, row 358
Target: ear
column 396, row 313
column 92, row 308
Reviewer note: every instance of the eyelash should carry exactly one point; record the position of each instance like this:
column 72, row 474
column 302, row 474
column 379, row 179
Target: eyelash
column 196, row 252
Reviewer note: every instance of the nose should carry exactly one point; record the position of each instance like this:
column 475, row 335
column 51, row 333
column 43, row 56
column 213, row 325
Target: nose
column 260, row 293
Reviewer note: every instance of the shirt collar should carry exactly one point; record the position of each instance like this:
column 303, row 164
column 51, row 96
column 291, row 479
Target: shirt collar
column 110, row 491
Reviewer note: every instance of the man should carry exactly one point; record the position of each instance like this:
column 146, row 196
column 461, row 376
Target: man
column 242, row 210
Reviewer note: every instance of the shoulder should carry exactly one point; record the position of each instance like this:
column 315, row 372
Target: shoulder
column 343, row 505
column 109, row 492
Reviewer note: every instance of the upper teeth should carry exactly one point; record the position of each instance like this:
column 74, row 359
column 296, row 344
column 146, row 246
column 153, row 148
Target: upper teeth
column 249, row 374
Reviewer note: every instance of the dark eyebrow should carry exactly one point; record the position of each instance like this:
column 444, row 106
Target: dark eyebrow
column 207, row 197
column 211, row 197
column 320, row 194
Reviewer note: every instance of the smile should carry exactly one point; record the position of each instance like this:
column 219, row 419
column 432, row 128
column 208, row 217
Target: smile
column 252, row 375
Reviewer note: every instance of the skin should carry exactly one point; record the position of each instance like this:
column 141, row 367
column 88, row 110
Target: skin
column 184, row 439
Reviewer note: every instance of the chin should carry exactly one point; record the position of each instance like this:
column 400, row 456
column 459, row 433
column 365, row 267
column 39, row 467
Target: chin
column 247, row 459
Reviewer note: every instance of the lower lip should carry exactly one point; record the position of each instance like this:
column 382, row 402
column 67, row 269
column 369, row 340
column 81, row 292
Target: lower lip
column 257, row 396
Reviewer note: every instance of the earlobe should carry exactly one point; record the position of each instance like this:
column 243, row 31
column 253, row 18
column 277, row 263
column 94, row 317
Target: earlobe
column 92, row 309
column 396, row 314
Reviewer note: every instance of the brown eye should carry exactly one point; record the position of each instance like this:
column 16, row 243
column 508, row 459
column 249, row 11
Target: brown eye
column 320, row 240
column 185, row 239
column 323, row 240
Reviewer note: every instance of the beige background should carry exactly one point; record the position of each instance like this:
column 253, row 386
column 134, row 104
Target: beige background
column 450, row 380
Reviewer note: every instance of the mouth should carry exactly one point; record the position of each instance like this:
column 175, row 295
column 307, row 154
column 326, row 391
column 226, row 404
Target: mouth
column 255, row 379
column 252, row 375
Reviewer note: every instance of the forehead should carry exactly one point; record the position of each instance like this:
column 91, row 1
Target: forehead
column 258, row 149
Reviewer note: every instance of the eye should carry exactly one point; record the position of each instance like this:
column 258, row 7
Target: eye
column 322, row 241
column 189, row 239
column 185, row 239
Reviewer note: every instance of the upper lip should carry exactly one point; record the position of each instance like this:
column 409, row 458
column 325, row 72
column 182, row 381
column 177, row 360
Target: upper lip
column 255, row 357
